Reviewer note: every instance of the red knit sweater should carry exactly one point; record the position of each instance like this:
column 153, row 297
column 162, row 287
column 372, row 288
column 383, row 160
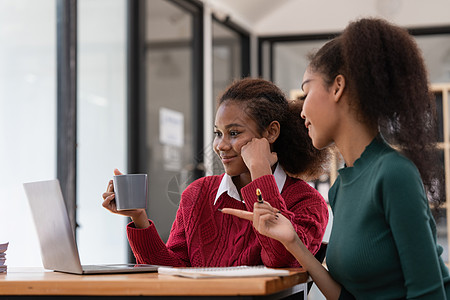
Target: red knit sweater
column 202, row 236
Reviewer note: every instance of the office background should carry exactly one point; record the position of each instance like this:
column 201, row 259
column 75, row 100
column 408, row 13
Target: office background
column 142, row 67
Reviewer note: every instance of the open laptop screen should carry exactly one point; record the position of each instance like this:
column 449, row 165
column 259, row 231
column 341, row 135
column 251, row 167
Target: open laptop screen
column 57, row 241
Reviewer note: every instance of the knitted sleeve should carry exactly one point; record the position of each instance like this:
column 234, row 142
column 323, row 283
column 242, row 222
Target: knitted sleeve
column 147, row 245
column 302, row 205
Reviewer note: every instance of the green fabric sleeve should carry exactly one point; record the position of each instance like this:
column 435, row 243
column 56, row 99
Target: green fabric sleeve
column 406, row 210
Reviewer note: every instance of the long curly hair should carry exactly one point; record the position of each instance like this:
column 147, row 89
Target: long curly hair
column 264, row 102
column 388, row 83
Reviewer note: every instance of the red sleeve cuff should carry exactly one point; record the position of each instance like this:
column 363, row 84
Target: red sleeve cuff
column 269, row 191
column 144, row 241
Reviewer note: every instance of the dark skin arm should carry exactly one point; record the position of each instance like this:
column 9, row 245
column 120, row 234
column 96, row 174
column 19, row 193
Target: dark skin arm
column 138, row 216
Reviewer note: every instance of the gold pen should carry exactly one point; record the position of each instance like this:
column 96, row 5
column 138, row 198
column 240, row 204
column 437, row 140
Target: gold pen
column 259, row 196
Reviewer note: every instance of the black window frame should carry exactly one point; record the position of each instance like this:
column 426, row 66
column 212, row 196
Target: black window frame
column 271, row 40
column 66, row 97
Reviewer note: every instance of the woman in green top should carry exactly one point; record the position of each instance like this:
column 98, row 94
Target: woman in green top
column 372, row 79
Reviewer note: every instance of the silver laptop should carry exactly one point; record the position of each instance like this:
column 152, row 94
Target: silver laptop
column 58, row 247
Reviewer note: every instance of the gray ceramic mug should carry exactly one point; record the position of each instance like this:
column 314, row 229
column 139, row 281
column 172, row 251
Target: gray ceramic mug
column 130, row 191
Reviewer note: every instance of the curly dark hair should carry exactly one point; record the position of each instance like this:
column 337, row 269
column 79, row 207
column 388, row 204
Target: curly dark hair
column 388, row 83
column 264, row 102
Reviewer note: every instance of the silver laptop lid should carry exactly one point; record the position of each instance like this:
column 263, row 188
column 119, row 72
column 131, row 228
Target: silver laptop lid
column 58, row 247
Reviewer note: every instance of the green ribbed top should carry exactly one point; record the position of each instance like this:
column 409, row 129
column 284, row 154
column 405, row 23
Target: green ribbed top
column 383, row 240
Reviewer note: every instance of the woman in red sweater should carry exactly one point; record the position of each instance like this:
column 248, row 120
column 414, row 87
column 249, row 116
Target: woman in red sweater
column 263, row 144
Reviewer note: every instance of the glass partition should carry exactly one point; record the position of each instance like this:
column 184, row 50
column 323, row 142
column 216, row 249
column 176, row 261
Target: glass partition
column 27, row 118
column 436, row 52
column 170, row 109
column 101, row 127
column 226, row 58
column 290, row 62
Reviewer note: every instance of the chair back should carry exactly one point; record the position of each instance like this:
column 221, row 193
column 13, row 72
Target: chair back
column 320, row 256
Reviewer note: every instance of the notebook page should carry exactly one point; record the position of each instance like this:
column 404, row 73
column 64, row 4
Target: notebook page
column 239, row 271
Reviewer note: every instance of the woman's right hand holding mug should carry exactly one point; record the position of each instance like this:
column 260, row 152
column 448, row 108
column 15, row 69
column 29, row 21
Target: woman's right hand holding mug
column 138, row 216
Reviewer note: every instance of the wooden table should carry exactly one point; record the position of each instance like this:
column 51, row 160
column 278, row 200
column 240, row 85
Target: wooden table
column 36, row 283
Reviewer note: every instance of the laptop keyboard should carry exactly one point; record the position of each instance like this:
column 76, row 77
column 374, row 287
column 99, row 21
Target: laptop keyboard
column 113, row 266
column 100, row 267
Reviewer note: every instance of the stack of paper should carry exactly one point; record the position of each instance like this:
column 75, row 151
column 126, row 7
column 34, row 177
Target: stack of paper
column 238, row 271
column 3, row 247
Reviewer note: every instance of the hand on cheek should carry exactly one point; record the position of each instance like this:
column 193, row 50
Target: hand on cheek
column 258, row 158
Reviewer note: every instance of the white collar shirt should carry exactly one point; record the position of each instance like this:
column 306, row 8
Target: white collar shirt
column 227, row 185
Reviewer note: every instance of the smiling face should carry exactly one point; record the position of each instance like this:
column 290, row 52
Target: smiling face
column 319, row 109
column 233, row 129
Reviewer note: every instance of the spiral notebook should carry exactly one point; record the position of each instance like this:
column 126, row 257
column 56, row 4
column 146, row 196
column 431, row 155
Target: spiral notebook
column 217, row 272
